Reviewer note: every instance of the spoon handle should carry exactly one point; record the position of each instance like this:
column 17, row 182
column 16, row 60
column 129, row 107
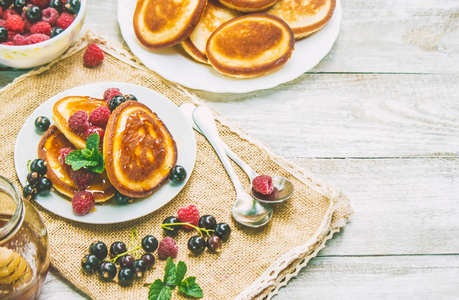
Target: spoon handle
column 204, row 119
column 187, row 110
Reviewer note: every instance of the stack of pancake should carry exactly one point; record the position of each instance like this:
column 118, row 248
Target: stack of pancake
column 137, row 147
column 239, row 38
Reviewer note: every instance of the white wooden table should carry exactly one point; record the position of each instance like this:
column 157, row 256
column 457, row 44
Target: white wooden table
column 379, row 118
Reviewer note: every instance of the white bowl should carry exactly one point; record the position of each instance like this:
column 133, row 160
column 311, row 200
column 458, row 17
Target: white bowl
column 30, row 56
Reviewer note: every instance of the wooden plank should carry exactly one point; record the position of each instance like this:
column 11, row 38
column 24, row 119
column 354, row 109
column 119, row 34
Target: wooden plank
column 57, row 287
column 418, row 277
column 351, row 115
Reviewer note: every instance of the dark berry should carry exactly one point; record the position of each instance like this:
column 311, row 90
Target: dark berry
column 207, row 222
column 139, row 267
column 33, row 14
column 196, row 244
column 72, row 6
column 122, row 199
column 117, row 248
column 18, row 5
column 214, row 243
column 42, row 123
column 39, row 166
column 3, row 34
column 175, row 228
column 56, row 4
column 125, row 276
column 29, row 191
column 130, row 97
column 177, row 174
column 149, row 243
column 223, row 231
column 5, row 3
column 56, row 30
column 149, row 259
column 44, row 185
column 107, row 270
column 33, row 177
column 116, row 101
column 127, row 261
column 90, row 263
column 99, row 249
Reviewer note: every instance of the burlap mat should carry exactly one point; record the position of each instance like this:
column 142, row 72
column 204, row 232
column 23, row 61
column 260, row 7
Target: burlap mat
column 254, row 263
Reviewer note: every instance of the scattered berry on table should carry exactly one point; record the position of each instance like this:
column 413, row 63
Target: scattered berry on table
column 99, row 116
column 167, row 248
column 98, row 249
column 140, row 267
column 56, row 5
column 197, row 244
column 214, row 243
column 149, row 243
column 33, row 14
column 177, row 174
column 78, row 122
column 3, row 34
column 39, row 165
column 56, row 31
column 37, row 38
column 263, row 184
column 41, row 27
column 207, row 222
column 149, row 259
column 82, row 178
column 72, row 6
column 50, row 16
column 94, row 129
column 125, row 276
column 90, row 263
column 110, row 93
column 33, row 177
column 83, row 202
column 107, row 270
column 223, row 230
column 175, row 228
column 122, row 199
column 42, row 123
column 127, row 261
column 64, row 20
column 29, row 191
column 115, row 101
column 93, row 55
column 130, row 97
column 189, row 214
column 40, row 3
column 62, row 154
column 117, row 248
column 14, row 23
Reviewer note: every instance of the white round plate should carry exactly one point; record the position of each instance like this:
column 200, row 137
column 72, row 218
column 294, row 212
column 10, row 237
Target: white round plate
column 176, row 65
column 28, row 139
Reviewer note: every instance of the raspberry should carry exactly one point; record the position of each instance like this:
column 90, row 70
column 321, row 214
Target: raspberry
column 8, row 44
column 78, row 122
column 110, row 93
column 83, row 202
column 167, row 248
column 95, row 129
column 190, row 215
column 99, row 116
column 82, row 178
column 93, row 56
column 27, row 25
column 11, row 35
column 1, row 11
column 7, row 13
column 62, row 154
column 15, row 23
column 50, row 16
column 263, row 184
column 64, row 20
column 41, row 27
column 2, row 23
column 40, row 3
column 20, row 40
column 37, row 38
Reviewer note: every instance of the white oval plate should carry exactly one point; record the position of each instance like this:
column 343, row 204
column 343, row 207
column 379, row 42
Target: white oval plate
column 176, row 65
column 28, row 139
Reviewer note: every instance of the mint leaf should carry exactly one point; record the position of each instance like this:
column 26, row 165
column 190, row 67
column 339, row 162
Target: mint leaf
column 86, row 153
column 89, row 158
column 99, row 168
column 158, row 291
column 180, row 274
column 92, row 142
column 169, row 272
column 191, row 288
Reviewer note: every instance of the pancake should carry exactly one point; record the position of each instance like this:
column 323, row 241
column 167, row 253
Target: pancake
column 214, row 15
column 65, row 107
column 304, row 16
column 48, row 149
column 248, row 5
column 165, row 23
column 138, row 150
column 250, row 45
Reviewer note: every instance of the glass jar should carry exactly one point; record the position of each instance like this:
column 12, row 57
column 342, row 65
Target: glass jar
column 24, row 254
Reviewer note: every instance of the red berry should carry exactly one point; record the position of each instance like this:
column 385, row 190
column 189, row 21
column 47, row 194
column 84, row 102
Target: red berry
column 8, row 44
column 82, row 178
column 37, row 38
column 99, row 116
column 64, row 20
column 40, row 3
column 83, row 202
column 62, row 154
column 263, row 184
column 1, row 12
column 78, row 122
column 190, row 215
column 2, row 23
column 20, row 40
column 41, row 27
column 15, row 23
column 110, row 93
column 167, row 248
column 50, row 16
column 93, row 56
column 8, row 12
column 95, row 129
column 27, row 25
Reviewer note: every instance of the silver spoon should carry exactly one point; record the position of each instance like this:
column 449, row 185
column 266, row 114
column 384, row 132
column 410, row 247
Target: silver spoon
column 283, row 188
column 246, row 210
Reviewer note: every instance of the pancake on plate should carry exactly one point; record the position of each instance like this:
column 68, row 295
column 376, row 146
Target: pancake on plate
column 304, row 16
column 165, row 23
column 214, row 15
column 248, row 5
column 138, row 150
column 48, row 149
column 250, row 45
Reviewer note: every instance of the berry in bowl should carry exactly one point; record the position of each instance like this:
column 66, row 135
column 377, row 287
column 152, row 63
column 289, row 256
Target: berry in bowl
column 35, row 32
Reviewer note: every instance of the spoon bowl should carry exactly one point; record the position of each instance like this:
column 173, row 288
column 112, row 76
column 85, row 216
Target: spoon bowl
column 283, row 190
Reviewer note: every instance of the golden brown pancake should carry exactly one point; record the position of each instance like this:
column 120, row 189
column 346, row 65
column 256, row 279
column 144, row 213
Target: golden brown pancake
column 48, row 149
column 248, row 5
column 65, row 107
column 250, row 45
column 214, row 15
column 138, row 150
column 165, row 23
column 304, row 16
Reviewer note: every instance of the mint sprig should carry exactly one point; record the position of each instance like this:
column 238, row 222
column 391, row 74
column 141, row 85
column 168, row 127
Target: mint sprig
column 89, row 158
column 173, row 276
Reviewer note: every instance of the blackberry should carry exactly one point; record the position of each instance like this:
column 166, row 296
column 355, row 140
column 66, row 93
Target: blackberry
column 5, row 3
column 107, row 270
column 39, row 166
column 125, row 276
column 33, row 178
column 116, row 101
column 149, row 259
column 122, row 199
column 223, row 231
column 196, row 244
column 140, row 267
column 175, row 228
column 90, row 263
column 42, row 123
column 56, row 30
column 33, row 14
column 98, row 249
column 127, row 261
column 149, row 243
column 117, row 248
column 130, row 97
column 18, row 5
column 3, row 34
column 29, row 191
column 214, row 243
column 56, row 4
column 207, row 222
column 44, row 185
column 177, row 174
column 72, row 6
